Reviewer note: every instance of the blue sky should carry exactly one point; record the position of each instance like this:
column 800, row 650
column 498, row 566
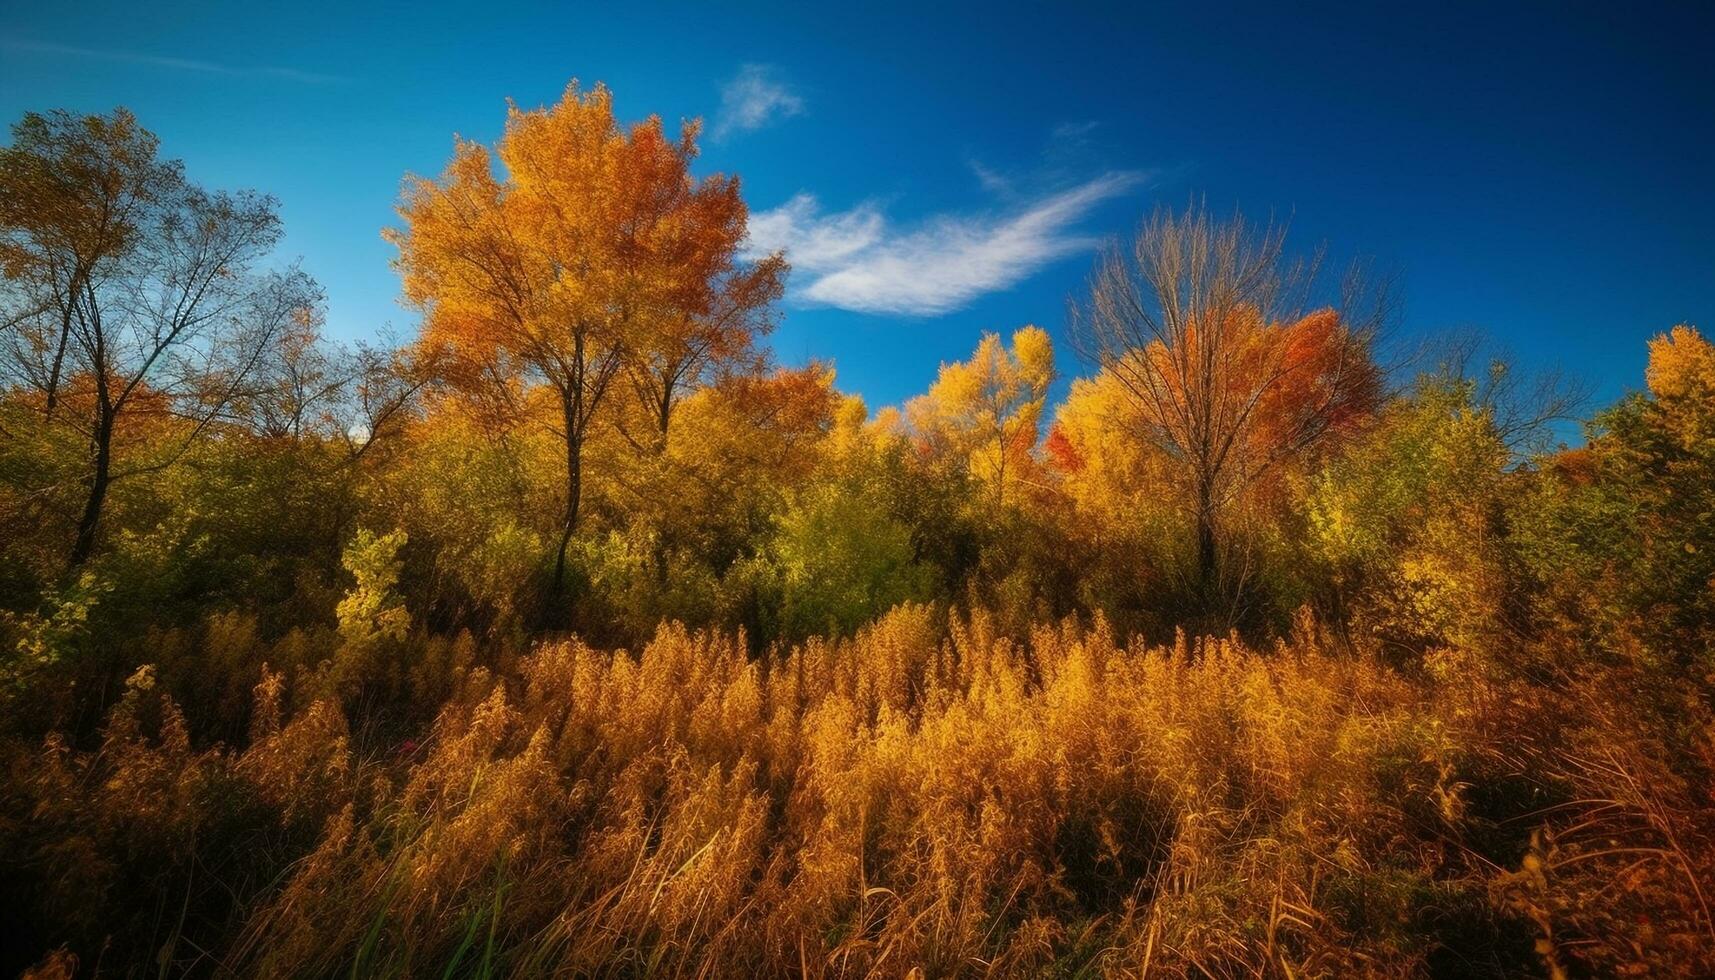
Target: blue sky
column 1544, row 173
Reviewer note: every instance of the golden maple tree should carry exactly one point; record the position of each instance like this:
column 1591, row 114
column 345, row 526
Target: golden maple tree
column 592, row 251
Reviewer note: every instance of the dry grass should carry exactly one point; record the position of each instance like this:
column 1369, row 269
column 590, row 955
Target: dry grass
column 926, row 799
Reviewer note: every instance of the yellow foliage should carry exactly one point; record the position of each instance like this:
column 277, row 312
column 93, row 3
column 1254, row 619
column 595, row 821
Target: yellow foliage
column 1681, row 364
column 983, row 413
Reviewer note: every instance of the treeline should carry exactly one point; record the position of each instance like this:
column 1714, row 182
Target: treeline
column 294, row 672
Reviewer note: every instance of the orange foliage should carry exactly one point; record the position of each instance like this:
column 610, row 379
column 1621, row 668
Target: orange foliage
column 1061, row 453
column 594, row 234
column 594, row 252
column 1279, row 387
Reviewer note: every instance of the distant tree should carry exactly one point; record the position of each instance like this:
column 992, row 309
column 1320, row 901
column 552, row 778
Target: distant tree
column 308, row 389
column 1209, row 329
column 984, row 412
column 595, row 252
column 131, row 292
column 1525, row 405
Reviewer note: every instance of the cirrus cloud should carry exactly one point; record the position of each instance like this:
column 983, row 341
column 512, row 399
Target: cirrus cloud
column 856, row 262
column 159, row 61
column 754, row 98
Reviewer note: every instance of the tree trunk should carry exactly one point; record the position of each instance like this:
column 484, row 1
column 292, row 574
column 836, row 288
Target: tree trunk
column 59, row 363
column 1208, row 555
column 574, row 494
column 664, row 416
column 60, row 348
column 99, row 479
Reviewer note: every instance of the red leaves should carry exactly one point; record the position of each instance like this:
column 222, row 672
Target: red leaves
column 1062, row 455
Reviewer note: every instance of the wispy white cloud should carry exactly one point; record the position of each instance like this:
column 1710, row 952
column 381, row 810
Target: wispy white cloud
column 856, row 262
column 814, row 241
column 174, row 64
column 1074, row 131
column 754, row 98
column 991, row 179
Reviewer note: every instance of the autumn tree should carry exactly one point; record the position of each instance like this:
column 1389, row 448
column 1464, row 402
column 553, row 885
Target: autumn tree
column 1211, row 331
column 592, row 252
column 132, row 293
column 1108, row 474
column 744, row 443
column 77, row 189
column 984, row 412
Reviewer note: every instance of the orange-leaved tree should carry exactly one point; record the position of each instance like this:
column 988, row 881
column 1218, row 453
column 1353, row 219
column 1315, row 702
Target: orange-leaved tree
column 591, row 249
column 1210, row 330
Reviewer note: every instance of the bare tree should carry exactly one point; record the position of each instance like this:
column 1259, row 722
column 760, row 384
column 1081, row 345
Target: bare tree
column 1231, row 364
column 386, row 386
column 167, row 320
column 300, row 385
